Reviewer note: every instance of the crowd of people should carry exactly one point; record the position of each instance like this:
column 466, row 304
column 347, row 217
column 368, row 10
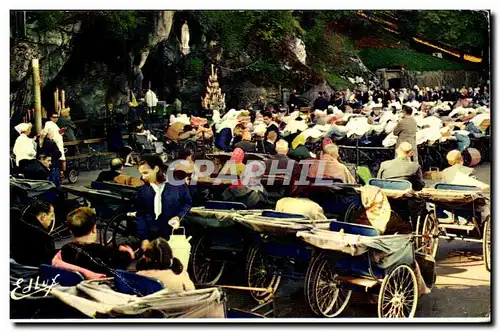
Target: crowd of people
column 285, row 135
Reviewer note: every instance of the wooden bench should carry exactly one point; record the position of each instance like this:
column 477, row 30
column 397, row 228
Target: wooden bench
column 78, row 158
column 96, row 155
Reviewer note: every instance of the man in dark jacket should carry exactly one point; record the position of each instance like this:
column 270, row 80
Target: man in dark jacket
column 268, row 146
column 246, row 143
column 115, row 169
column 40, row 169
column 293, row 101
column 271, row 125
column 321, row 103
column 227, row 138
column 30, row 241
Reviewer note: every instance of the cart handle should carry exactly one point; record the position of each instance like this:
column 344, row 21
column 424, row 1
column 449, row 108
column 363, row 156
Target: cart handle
column 255, row 289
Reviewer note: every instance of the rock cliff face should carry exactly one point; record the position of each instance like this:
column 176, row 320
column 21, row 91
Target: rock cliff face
column 98, row 72
column 52, row 48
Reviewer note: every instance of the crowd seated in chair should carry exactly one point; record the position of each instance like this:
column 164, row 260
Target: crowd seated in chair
column 85, row 252
column 381, row 220
column 377, row 213
column 402, row 168
column 159, row 262
column 248, row 189
column 115, row 169
column 332, row 167
column 30, row 240
column 300, row 206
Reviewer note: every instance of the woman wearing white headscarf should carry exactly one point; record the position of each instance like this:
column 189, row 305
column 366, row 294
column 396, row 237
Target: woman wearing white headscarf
column 53, row 131
column 24, row 147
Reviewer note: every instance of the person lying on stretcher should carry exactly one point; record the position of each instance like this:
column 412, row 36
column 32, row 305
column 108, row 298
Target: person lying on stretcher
column 377, row 213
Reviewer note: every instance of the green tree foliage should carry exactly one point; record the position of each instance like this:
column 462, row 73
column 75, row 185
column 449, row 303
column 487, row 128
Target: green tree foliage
column 244, row 31
column 193, row 66
column 376, row 58
column 123, row 24
column 463, row 29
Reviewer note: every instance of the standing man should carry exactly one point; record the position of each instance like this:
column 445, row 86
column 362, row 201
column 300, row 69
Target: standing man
column 293, row 101
column 406, row 131
column 54, row 131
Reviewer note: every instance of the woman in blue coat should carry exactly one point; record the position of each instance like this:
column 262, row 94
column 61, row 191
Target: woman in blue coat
column 160, row 204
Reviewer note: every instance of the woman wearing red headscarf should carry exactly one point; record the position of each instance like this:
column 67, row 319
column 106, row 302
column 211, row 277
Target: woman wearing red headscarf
column 248, row 188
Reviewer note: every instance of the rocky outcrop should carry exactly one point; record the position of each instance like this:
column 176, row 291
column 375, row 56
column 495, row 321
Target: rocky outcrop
column 52, row 48
column 312, row 93
column 298, row 48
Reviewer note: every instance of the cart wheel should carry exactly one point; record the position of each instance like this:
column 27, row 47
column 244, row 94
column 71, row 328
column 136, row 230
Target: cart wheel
column 117, row 230
column 328, row 298
column 398, row 295
column 429, row 230
column 72, row 176
column 258, row 276
column 205, row 269
column 487, row 243
column 308, row 282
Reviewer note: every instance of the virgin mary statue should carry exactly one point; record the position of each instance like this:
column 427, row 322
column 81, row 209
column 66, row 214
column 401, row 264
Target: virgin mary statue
column 185, row 39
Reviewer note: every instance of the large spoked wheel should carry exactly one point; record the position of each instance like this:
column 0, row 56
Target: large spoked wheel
column 118, row 230
column 329, row 299
column 205, row 269
column 429, row 230
column 259, row 277
column 309, row 282
column 487, row 243
column 73, row 176
column 398, row 297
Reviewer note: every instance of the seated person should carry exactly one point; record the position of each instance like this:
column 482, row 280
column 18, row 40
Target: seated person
column 85, row 252
column 179, row 131
column 246, row 143
column 159, row 262
column 187, row 165
column 302, row 206
column 281, row 164
column 30, row 240
column 456, row 162
column 268, row 146
column 248, row 188
column 377, row 213
column 227, row 137
column 40, row 169
column 115, row 169
column 204, row 132
column 299, row 150
column 457, row 173
column 236, row 160
column 332, row 167
column 402, row 168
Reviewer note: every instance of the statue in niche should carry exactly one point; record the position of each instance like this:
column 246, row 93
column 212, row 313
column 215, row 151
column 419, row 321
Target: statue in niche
column 185, row 39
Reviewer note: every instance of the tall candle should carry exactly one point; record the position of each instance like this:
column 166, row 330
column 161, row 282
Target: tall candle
column 63, row 99
column 56, row 99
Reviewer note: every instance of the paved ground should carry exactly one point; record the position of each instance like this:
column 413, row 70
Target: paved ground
column 462, row 287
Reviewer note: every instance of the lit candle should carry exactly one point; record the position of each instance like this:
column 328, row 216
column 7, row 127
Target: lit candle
column 56, row 99
column 63, row 99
